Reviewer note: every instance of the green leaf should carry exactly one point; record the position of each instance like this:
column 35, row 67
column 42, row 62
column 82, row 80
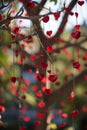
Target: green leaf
column 55, row 1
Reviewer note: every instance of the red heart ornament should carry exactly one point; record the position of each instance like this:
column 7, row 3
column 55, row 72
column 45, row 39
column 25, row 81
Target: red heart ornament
column 76, row 14
column 76, row 65
column 40, row 115
column 43, row 65
column 49, row 71
column 77, row 27
column 74, row 113
column 62, row 125
column 37, row 123
column 23, row 97
column 56, row 15
column 70, row 99
column 13, row 79
column 33, row 57
column 22, row 128
column 76, row 34
column 30, row 4
column 41, row 104
column 49, row 33
column 80, row 3
column 40, row 76
column 1, row 18
column 27, row 119
column 49, row 48
column 64, row 115
column 45, row 19
column 16, row 30
column 53, row 78
column 38, row 94
column 47, row 91
column 30, row 39
column 2, row 109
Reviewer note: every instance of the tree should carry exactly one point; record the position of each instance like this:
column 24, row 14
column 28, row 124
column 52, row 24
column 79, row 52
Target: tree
column 44, row 50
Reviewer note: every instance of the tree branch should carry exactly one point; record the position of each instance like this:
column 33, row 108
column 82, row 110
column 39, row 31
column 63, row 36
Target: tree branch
column 40, row 6
column 63, row 23
column 68, row 44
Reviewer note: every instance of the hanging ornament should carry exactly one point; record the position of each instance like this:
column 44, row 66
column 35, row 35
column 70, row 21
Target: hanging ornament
column 30, row 44
column 45, row 19
column 76, row 34
column 81, row 2
column 41, row 104
column 53, row 77
column 74, row 113
column 13, row 79
column 76, row 65
column 2, row 109
column 46, row 90
column 30, row 47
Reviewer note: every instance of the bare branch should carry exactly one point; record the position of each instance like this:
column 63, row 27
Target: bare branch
column 3, row 5
column 34, row 17
column 63, row 23
column 40, row 6
column 16, row 40
column 68, row 44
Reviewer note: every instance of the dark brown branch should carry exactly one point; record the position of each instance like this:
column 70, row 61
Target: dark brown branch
column 63, row 23
column 40, row 6
column 16, row 40
column 35, row 17
column 68, row 44
column 66, row 88
column 3, row 5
